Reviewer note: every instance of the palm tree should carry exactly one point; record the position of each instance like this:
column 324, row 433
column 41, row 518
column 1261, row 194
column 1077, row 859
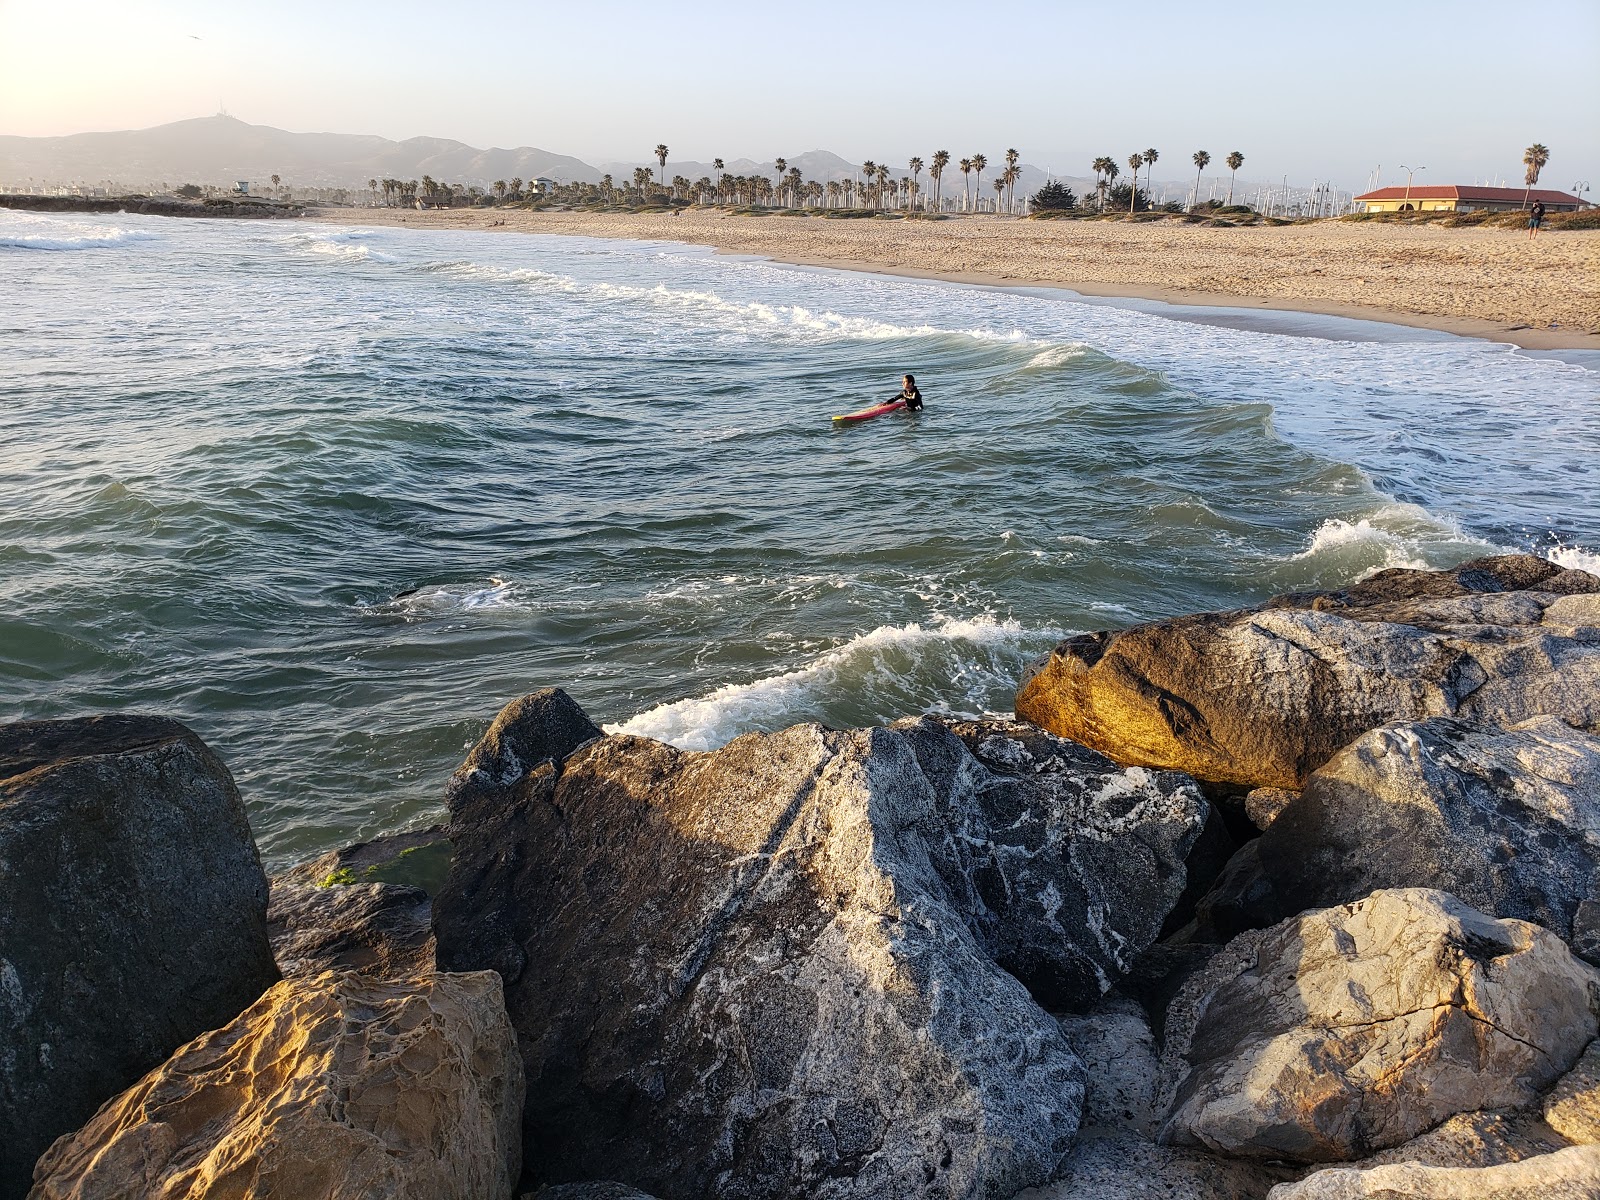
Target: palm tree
column 1534, row 158
column 1101, row 165
column 716, row 165
column 372, row 186
column 883, row 181
column 429, row 186
column 1150, row 157
column 966, row 177
column 915, row 167
column 869, row 169
column 1012, row 158
column 979, row 162
column 941, row 160
column 1234, row 161
column 780, row 166
column 661, row 157
column 793, row 182
column 1112, row 171
column 1201, row 161
column 1135, row 161
column 516, row 186
column 500, row 190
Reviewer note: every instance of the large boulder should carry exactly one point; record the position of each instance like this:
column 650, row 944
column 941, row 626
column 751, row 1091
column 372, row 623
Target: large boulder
column 381, row 929
column 1573, row 1106
column 132, row 916
column 768, row 970
column 1351, row 1029
column 1263, row 697
column 339, row 1087
column 1570, row 1174
column 1506, row 819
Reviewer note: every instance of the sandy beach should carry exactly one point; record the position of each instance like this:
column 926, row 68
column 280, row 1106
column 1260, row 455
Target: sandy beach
column 1479, row 282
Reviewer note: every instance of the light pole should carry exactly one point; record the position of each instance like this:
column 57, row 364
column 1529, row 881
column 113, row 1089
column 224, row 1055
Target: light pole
column 1578, row 189
column 1409, row 172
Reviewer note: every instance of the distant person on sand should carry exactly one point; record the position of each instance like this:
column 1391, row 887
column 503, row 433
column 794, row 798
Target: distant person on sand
column 909, row 394
column 1535, row 218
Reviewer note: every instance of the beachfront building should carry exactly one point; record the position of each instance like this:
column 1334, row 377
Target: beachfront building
column 1452, row 198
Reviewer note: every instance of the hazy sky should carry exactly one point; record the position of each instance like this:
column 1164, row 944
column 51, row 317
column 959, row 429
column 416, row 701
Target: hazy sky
column 1312, row 93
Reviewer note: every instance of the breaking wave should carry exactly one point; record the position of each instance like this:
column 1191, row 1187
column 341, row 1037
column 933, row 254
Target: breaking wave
column 958, row 666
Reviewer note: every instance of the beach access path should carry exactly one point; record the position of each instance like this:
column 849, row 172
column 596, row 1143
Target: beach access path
column 1542, row 294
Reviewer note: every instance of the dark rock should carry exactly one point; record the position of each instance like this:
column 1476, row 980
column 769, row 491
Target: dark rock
column 766, row 970
column 598, row 1190
column 1507, row 820
column 1263, row 697
column 379, row 929
column 1264, row 805
column 1128, row 1168
column 420, row 858
column 132, row 916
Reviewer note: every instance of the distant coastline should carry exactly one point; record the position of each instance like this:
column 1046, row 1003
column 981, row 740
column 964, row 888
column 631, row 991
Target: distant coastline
column 151, row 206
column 1469, row 282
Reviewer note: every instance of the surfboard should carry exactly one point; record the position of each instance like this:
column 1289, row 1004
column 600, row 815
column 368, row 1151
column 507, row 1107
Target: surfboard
column 877, row 410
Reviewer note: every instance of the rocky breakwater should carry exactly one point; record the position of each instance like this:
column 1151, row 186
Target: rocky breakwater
column 132, row 916
column 1391, row 975
column 801, row 965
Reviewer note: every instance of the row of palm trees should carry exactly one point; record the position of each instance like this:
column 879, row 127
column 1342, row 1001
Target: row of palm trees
column 877, row 187
column 1106, row 172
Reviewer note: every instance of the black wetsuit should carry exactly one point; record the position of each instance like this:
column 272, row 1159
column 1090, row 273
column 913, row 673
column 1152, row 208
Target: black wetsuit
column 912, row 397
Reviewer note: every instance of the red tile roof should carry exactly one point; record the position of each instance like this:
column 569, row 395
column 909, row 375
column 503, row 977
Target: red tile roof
column 1452, row 192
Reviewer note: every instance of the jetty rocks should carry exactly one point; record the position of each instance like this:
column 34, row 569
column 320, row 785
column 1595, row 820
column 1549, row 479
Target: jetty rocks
column 779, row 968
column 133, row 916
column 1263, row 697
column 1299, row 902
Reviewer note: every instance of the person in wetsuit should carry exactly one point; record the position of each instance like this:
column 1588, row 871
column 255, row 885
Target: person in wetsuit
column 909, row 393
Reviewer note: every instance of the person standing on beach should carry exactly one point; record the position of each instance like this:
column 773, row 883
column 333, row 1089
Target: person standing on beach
column 908, row 394
column 1535, row 218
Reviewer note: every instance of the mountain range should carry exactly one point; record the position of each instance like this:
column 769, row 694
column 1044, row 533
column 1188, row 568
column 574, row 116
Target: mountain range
column 222, row 150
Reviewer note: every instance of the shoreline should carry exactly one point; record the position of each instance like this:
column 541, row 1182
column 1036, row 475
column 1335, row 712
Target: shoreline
column 764, row 238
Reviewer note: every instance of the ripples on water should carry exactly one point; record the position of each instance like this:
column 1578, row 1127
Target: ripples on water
column 333, row 496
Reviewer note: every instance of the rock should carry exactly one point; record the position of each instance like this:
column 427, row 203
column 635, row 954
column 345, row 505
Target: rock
column 381, row 929
column 1349, row 1030
column 1585, row 941
column 1475, row 1139
column 1506, row 820
column 1263, row 805
column 1120, row 1065
column 1570, row 1174
column 337, row 1087
column 420, row 858
column 1065, row 866
column 768, row 969
column 1263, row 697
column 1125, row 1168
column 132, row 915
column 589, row 1191
column 1573, row 1106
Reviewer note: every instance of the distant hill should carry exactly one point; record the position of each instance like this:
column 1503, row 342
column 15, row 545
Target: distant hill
column 221, row 149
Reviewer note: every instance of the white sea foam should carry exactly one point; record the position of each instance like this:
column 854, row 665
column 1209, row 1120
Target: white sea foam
column 349, row 246
column 890, row 669
column 33, row 231
column 447, row 598
column 1575, row 558
column 1399, row 535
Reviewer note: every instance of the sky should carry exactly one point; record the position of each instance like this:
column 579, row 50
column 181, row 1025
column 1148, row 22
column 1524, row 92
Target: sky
column 1311, row 92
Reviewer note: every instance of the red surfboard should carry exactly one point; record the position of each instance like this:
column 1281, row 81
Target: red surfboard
column 877, row 410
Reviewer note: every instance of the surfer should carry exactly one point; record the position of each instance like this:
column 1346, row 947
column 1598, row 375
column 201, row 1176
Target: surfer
column 909, row 394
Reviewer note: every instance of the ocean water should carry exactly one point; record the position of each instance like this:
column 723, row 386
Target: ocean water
column 332, row 496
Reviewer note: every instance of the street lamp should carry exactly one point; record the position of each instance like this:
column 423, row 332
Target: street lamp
column 1578, row 189
column 1409, row 172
